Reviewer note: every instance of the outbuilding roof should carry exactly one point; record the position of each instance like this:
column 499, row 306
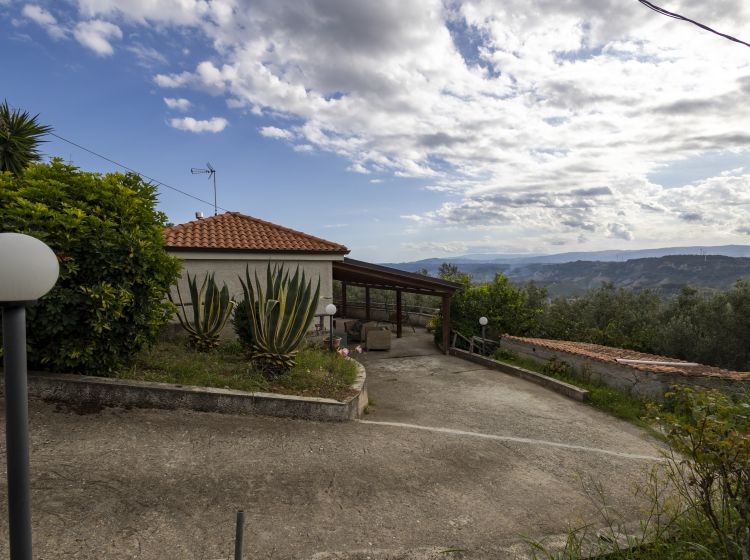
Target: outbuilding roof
column 631, row 358
column 233, row 231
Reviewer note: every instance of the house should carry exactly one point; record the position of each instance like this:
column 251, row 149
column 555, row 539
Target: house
column 228, row 243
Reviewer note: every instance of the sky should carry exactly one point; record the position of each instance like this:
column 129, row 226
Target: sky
column 407, row 130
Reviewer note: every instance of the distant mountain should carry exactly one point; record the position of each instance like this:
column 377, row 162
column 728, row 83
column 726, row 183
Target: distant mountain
column 668, row 274
column 605, row 256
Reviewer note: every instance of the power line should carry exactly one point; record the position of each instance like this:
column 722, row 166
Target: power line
column 667, row 13
column 155, row 181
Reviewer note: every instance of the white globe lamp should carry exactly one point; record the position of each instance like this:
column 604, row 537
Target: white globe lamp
column 28, row 270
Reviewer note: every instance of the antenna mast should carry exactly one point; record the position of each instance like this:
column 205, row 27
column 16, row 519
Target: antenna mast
column 211, row 172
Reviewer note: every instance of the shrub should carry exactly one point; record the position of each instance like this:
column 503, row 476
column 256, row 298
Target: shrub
column 110, row 299
column 242, row 325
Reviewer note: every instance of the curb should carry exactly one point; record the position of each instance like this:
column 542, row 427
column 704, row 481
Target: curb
column 561, row 387
column 105, row 391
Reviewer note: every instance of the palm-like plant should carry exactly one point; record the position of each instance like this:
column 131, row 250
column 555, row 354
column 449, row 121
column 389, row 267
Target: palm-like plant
column 212, row 308
column 20, row 134
column 280, row 315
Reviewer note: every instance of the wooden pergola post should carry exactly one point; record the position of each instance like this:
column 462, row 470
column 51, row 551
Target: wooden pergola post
column 343, row 299
column 398, row 313
column 446, row 323
column 367, row 303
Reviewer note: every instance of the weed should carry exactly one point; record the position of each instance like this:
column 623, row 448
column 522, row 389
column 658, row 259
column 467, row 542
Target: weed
column 317, row 372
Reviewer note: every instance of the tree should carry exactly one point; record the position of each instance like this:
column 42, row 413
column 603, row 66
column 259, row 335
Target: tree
column 110, row 299
column 20, row 134
column 451, row 272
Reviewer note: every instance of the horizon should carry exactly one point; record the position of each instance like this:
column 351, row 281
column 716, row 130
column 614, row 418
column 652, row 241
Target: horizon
column 444, row 128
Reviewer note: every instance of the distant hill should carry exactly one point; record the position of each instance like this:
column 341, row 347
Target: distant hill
column 605, row 256
column 668, row 274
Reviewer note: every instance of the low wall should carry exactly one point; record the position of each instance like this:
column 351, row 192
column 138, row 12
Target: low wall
column 103, row 391
column 549, row 382
column 648, row 384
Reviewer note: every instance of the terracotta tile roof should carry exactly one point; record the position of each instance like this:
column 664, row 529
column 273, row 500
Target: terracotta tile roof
column 609, row 354
column 235, row 231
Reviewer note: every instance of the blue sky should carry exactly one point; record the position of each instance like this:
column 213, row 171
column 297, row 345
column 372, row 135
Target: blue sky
column 407, row 131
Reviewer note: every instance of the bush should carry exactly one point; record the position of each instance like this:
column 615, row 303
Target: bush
column 243, row 327
column 110, row 299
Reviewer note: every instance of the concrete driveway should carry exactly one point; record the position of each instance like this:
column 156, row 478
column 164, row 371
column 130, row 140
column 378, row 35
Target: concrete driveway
column 453, row 461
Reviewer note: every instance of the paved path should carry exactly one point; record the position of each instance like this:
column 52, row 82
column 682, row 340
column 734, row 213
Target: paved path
column 451, row 456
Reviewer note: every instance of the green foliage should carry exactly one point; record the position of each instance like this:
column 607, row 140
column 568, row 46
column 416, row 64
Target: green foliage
column 243, row 327
column 707, row 329
column 114, row 271
column 280, row 315
column 212, row 308
column 317, row 373
column 697, row 505
column 608, row 316
column 20, row 134
column 505, row 306
column 709, row 437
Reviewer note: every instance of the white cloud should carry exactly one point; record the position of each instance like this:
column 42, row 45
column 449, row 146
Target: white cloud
column 515, row 111
column 214, row 124
column 42, row 17
column 96, row 35
column 147, row 57
column 172, row 80
column 178, row 104
column 358, row 168
column 274, row 132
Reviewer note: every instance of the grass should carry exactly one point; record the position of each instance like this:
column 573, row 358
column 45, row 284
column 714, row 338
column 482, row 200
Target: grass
column 318, row 373
column 613, row 401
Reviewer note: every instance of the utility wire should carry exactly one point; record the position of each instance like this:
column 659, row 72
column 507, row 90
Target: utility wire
column 155, row 181
column 667, row 13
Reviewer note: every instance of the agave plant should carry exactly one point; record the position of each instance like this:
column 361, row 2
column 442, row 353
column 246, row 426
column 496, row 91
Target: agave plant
column 279, row 316
column 212, row 308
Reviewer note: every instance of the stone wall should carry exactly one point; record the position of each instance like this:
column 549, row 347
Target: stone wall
column 647, row 384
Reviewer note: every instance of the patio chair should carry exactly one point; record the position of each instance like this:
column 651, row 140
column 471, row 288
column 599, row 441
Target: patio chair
column 378, row 338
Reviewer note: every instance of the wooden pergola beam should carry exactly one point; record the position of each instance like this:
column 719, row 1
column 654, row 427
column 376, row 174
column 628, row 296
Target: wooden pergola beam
column 398, row 313
column 446, row 323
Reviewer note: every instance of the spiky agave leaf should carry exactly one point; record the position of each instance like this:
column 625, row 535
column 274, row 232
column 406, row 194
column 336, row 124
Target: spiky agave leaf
column 212, row 308
column 280, row 315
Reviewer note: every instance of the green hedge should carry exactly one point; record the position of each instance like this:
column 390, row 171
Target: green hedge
column 114, row 270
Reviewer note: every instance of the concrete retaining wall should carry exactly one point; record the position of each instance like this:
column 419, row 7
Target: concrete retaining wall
column 102, row 391
column 549, row 382
column 646, row 384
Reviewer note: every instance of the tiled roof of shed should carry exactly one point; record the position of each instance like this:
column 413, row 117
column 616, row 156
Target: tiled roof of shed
column 235, row 231
column 609, row 354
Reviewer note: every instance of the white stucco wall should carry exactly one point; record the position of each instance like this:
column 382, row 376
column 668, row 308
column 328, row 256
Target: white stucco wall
column 230, row 266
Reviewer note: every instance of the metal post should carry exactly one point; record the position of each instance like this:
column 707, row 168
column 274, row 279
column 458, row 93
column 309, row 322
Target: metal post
column 330, row 338
column 216, row 211
column 483, row 337
column 239, row 535
column 17, row 431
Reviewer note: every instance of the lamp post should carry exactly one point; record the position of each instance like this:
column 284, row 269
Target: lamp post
column 483, row 322
column 331, row 310
column 28, row 270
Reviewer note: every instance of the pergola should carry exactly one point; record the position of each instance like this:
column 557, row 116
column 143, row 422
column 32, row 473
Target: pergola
column 351, row 272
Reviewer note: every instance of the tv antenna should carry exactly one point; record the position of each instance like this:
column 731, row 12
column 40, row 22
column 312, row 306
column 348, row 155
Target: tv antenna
column 211, row 172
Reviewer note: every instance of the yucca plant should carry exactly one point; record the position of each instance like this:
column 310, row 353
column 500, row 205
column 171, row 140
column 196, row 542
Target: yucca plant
column 279, row 316
column 212, row 308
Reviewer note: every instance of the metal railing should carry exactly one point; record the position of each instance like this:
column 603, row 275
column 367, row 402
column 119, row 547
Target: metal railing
column 475, row 344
